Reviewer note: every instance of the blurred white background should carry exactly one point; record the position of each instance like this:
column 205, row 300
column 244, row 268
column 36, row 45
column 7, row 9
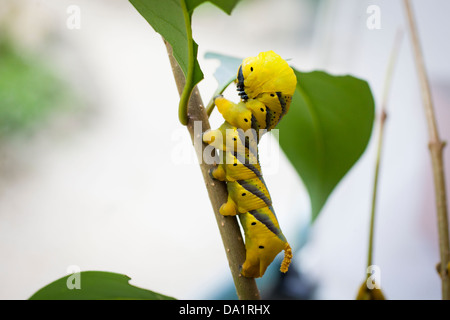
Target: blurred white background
column 105, row 191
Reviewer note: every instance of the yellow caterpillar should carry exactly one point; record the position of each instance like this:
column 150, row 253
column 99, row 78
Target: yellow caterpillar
column 265, row 84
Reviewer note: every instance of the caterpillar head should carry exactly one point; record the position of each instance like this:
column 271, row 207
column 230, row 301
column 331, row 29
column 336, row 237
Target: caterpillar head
column 267, row 72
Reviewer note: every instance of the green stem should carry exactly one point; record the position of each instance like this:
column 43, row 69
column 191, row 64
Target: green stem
column 375, row 188
column 210, row 106
column 383, row 116
column 436, row 146
column 186, row 94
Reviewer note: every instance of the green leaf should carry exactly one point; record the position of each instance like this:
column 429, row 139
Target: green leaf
column 95, row 285
column 172, row 20
column 226, row 5
column 166, row 18
column 327, row 129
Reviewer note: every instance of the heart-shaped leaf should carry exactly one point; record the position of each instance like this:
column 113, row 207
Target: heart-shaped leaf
column 95, row 285
column 326, row 130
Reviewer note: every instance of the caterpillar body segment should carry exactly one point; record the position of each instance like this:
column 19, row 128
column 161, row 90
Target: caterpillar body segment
column 249, row 194
column 266, row 85
column 263, row 240
column 236, row 114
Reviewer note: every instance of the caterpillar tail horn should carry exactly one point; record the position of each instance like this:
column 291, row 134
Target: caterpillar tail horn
column 287, row 258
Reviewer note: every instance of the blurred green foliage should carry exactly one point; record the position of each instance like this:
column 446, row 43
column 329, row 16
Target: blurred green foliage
column 29, row 90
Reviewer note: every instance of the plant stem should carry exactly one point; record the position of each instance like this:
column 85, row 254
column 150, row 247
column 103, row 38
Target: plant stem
column 383, row 116
column 211, row 105
column 230, row 232
column 436, row 147
column 187, row 88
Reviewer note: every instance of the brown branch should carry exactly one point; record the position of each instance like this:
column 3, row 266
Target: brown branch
column 436, row 147
column 230, row 232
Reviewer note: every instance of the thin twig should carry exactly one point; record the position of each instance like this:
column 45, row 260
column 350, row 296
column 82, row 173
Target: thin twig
column 383, row 116
column 230, row 232
column 436, row 147
column 211, row 105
